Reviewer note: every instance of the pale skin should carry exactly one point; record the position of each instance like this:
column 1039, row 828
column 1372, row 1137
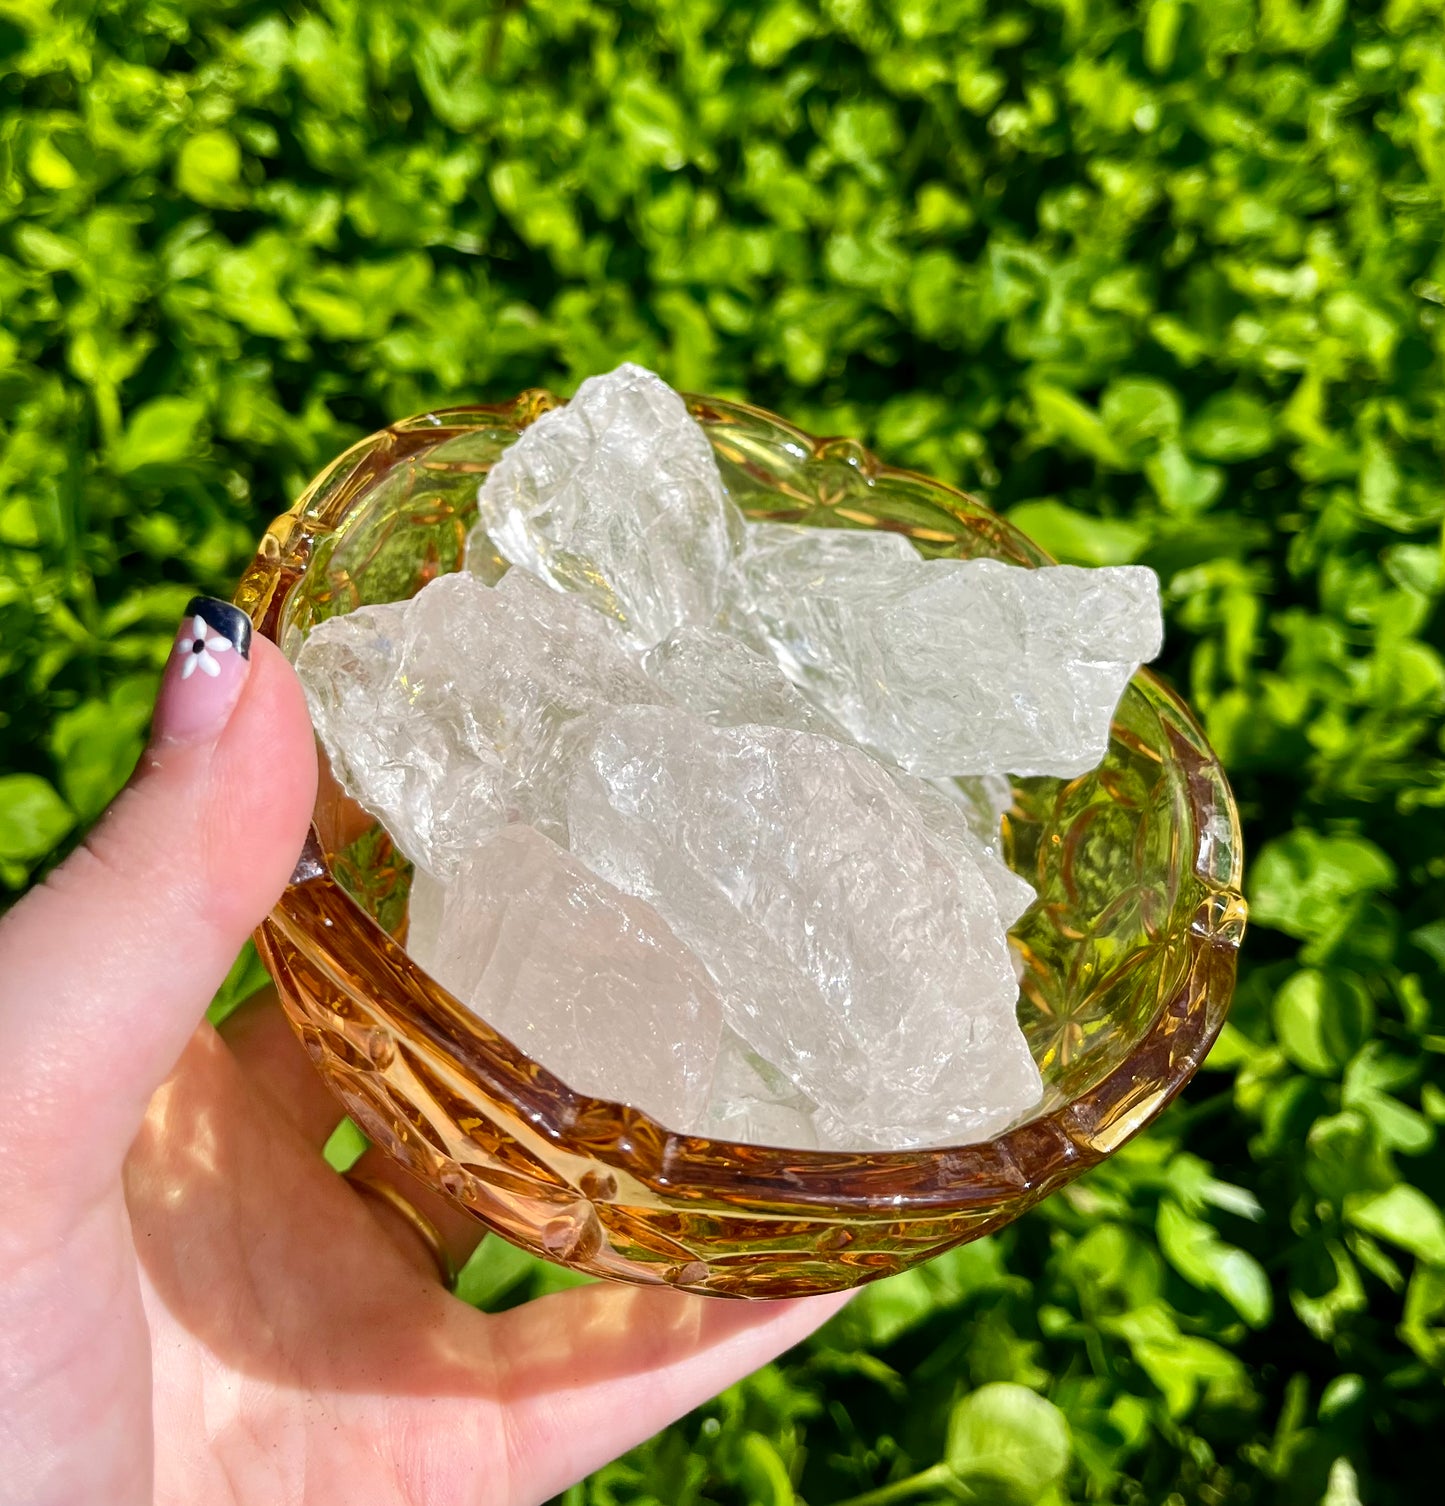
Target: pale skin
column 194, row 1308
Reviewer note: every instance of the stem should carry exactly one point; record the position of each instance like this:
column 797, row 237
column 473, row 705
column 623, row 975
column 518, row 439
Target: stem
column 914, row 1485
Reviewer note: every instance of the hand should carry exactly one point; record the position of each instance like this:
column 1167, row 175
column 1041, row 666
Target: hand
column 193, row 1307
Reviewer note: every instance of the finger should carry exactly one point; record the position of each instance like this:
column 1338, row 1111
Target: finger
column 106, row 968
column 590, row 1372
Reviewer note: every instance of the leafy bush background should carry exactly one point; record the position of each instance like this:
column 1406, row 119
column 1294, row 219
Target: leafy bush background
column 1165, row 283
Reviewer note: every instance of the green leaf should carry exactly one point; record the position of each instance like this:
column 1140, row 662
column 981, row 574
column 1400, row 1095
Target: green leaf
column 651, row 122
column 1161, row 33
column 208, row 169
column 50, row 167
column 1184, row 1367
column 763, row 1473
column 44, row 249
column 247, row 285
column 1180, row 484
column 1430, row 938
column 1325, row 1287
column 1344, row 1155
column 1371, row 1079
column 33, row 818
column 1075, row 538
column 1423, row 1325
column 160, row 432
column 1140, row 412
column 1231, row 426
column 1403, row 1215
column 1312, row 886
column 1343, row 1486
column 780, row 28
column 1113, row 1265
column 1008, row 1442
column 97, row 744
column 1322, row 1018
column 346, row 1145
column 1061, row 416
column 493, row 1272
column 1232, row 1049
column 890, row 1308
column 1205, row 1260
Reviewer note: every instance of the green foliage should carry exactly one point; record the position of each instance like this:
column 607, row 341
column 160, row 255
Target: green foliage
column 246, row 977
column 345, row 1147
column 1164, row 282
column 1007, row 1443
column 33, row 818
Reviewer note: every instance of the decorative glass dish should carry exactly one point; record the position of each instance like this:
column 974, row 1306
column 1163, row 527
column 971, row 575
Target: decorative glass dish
column 1128, row 957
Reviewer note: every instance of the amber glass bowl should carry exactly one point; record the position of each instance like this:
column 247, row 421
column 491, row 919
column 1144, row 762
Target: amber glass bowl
column 1127, row 958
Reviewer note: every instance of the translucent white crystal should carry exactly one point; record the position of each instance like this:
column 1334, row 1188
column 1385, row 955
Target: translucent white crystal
column 722, row 680
column 955, row 818
column 617, row 496
column 444, row 715
column 984, row 799
column 993, row 792
column 953, row 667
column 781, row 856
column 754, row 1103
column 823, row 560
column 585, row 980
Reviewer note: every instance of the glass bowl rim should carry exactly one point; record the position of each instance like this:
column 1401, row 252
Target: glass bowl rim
column 1028, row 1160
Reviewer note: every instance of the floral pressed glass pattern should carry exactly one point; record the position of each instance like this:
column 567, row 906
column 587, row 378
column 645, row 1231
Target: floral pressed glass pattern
column 1128, row 956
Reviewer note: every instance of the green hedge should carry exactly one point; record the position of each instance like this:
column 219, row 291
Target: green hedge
column 1164, row 283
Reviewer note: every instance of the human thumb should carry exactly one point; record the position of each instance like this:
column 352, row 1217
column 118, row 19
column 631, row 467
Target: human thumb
column 106, row 968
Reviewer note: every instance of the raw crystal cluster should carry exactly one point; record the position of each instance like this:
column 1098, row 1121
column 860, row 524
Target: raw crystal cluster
column 705, row 816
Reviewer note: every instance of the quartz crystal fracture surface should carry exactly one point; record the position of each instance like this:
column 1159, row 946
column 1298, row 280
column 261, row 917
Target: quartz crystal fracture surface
column 957, row 817
column 728, row 684
column 587, row 981
column 754, row 1103
column 444, row 715
column 985, row 798
column 761, row 843
column 952, row 666
column 617, row 497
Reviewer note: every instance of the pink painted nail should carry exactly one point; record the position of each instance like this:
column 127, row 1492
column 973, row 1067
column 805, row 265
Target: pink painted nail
column 205, row 672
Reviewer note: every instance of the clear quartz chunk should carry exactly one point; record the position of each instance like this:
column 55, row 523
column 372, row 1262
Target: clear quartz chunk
column 754, row 1103
column 717, row 677
column 952, row 667
column 784, row 857
column 617, row 496
column 446, row 715
column 956, row 819
column 587, row 981
column 984, row 799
